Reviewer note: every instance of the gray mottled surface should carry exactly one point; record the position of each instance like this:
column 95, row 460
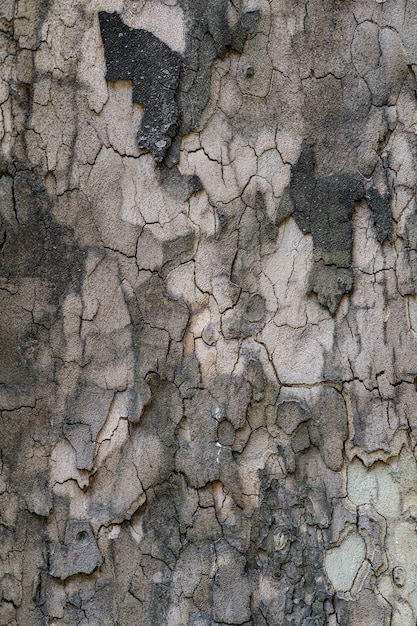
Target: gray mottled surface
column 208, row 355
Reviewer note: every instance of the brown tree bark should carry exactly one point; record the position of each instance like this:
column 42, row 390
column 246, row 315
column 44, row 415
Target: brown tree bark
column 208, row 281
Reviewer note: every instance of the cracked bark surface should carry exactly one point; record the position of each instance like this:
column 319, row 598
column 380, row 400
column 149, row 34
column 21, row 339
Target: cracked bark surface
column 208, row 364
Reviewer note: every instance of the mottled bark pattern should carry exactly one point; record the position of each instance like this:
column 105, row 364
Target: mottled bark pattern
column 208, row 349
column 154, row 69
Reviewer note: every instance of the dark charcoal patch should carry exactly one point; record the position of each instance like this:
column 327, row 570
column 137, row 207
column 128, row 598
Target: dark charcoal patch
column 381, row 208
column 139, row 56
column 324, row 207
column 173, row 91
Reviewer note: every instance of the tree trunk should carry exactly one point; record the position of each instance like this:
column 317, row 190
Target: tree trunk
column 208, row 359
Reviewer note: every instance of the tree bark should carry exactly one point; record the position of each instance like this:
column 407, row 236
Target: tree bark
column 208, row 295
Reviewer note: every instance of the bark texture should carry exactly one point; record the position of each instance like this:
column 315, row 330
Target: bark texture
column 208, row 295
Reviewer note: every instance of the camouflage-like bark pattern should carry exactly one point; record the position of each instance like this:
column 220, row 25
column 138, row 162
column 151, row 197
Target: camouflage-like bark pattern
column 208, row 359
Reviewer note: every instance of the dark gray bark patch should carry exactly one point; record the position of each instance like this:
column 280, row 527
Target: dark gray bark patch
column 285, row 546
column 79, row 554
column 139, row 56
column 323, row 207
column 381, row 208
column 34, row 244
column 2, row 242
column 246, row 318
column 174, row 91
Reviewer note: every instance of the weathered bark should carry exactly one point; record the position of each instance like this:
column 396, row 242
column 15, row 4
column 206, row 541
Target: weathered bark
column 208, row 290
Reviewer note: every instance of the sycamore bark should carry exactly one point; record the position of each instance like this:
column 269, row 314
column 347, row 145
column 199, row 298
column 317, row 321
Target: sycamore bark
column 208, row 296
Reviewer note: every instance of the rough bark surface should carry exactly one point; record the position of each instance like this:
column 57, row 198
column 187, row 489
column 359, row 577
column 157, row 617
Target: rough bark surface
column 208, row 295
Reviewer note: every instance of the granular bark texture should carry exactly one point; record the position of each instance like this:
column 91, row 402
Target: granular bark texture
column 208, row 296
